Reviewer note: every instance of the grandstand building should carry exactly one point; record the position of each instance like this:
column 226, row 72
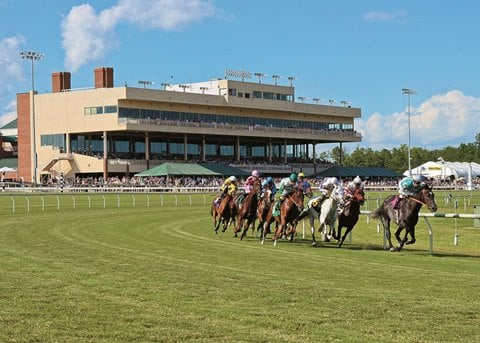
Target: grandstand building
column 106, row 130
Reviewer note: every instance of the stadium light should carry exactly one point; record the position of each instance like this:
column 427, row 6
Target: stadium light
column 291, row 79
column 409, row 92
column 275, row 78
column 331, row 101
column 145, row 83
column 260, row 75
column 33, row 56
column 165, row 85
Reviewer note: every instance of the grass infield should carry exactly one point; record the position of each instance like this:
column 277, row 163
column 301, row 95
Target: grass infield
column 157, row 273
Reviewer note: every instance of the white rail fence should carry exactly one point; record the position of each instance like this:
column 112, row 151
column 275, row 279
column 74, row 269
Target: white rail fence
column 156, row 196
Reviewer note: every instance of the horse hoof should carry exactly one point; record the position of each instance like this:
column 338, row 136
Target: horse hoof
column 314, row 244
column 392, row 249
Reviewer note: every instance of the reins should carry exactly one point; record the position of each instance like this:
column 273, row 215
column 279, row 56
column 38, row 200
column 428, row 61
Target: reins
column 296, row 204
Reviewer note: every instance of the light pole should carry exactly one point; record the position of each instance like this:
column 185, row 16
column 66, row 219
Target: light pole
column 409, row 92
column 33, row 56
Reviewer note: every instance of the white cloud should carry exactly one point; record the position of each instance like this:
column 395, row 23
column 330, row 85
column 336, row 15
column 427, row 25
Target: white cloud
column 444, row 119
column 88, row 36
column 7, row 118
column 384, row 16
column 10, row 62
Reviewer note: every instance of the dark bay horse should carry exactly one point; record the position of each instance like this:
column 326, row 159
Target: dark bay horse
column 290, row 210
column 348, row 217
column 406, row 216
column 247, row 213
column 222, row 213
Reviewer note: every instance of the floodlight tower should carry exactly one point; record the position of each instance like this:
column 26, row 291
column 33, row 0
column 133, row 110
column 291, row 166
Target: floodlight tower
column 291, row 79
column 409, row 92
column 260, row 75
column 275, row 78
column 145, row 83
column 33, row 56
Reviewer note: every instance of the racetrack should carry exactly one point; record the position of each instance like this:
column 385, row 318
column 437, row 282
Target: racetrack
column 160, row 274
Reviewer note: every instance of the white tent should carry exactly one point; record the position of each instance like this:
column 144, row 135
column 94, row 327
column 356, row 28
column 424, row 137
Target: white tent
column 7, row 169
column 443, row 170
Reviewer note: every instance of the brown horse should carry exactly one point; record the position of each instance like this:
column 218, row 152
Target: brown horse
column 247, row 213
column 222, row 213
column 406, row 216
column 348, row 217
column 289, row 213
column 263, row 208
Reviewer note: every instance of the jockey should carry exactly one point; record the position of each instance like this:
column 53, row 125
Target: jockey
column 250, row 182
column 248, row 185
column 328, row 185
column 287, row 187
column 269, row 182
column 407, row 186
column 229, row 187
column 353, row 186
column 305, row 185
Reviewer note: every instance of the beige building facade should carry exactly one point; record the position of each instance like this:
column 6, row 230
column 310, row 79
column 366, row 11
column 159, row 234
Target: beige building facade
column 106, row 130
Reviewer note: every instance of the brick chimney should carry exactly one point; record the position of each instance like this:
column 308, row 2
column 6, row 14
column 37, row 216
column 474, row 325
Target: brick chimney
column 61, row 80
column 103, row 77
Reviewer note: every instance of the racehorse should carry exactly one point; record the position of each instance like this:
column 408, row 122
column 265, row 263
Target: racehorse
column 328, row 214
column 248, row 211
column 290, row 209
column 348, row 217
column 222, row 213
column 406, row 216
column 263, row 208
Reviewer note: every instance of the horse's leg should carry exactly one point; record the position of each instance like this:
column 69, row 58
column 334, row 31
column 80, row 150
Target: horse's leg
column 388, row 234
column 347, row 231
column 266, row 226
column 400, row 241
column 279, row 229
column 412, row 236
column 245, row 228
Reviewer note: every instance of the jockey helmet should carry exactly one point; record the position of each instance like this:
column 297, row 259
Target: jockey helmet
column 269, row 179
column 333, row 181
column 301, row 175
column 232, row 178
column 255, row 173
column 417, row 178
column 293, row 177
column 357, row 180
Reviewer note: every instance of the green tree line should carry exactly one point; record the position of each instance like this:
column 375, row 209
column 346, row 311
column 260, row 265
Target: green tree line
column 397, row 158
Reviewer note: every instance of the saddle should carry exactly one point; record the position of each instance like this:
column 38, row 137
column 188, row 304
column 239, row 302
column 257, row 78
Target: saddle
column 396, row 202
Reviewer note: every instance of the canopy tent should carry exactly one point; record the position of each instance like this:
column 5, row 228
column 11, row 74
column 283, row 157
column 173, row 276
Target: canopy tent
column 363, row 172
column 7, row 169
column 224, row 169
column 447, row 170
column 178, row 169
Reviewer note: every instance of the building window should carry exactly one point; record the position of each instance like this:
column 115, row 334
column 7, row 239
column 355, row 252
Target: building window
column 110, row 109
column 93, row 110
column 268, row 95
column 232, row 91
column 257, row 94
column 57, row 141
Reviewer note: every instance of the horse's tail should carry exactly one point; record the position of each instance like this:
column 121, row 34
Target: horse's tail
column 378, row 212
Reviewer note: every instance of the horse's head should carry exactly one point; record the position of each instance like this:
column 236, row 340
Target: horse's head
column 359, row 196
column 297, row 197
column 426, row 196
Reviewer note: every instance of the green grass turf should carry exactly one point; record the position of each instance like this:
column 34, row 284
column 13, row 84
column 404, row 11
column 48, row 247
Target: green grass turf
column 133, row 273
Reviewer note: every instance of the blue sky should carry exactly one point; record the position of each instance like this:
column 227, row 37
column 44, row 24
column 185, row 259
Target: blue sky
column 363, row 52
